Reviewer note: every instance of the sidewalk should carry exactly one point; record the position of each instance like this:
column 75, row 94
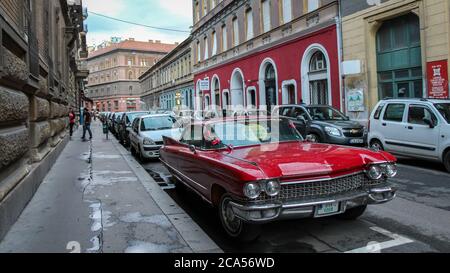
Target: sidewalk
column 97, row 198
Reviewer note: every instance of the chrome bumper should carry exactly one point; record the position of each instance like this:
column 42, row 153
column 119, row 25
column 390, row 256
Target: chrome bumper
column 277, row 210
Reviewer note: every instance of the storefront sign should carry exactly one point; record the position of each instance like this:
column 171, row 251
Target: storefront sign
column 355, row 100
column 204, row 84
column 437, row 79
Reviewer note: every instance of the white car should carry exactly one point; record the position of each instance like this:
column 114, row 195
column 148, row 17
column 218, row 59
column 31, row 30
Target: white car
column 418, row 128
column 146, row 135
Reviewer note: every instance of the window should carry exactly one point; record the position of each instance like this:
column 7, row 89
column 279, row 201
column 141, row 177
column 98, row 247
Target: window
column 249, row 23
column 197, row 12
column 235, row 32
column 193, row 135
column 318, row 62
column 378, row 112
column 265, row 15
column 206, row 48
column 198, row 51
column 394, row 112
column 224, row 38
column 214, row 45
column 313, row 5
column 287, row 11
column 130, row 61
column 205, row 8
column 130, row 75
column 417, row 114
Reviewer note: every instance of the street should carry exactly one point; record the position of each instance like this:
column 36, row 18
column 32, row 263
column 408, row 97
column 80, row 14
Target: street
column 416, row 221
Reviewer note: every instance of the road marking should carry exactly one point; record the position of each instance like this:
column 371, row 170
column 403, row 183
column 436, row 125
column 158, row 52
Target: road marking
column 375, row 247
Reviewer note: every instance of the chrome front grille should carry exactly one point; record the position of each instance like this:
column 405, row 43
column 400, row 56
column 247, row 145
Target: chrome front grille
column 320, row 189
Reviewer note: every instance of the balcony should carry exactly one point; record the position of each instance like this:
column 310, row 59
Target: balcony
column 82, row 69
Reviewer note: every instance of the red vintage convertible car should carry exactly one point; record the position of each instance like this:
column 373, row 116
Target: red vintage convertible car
column 260, row 169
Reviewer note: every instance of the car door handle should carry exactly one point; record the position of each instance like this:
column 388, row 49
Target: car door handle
column 410, row 128
column 383, row 124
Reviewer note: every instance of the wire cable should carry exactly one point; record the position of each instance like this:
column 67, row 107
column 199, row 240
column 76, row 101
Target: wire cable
column 138, row 24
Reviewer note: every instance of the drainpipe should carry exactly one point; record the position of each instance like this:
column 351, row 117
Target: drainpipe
column 340, row 57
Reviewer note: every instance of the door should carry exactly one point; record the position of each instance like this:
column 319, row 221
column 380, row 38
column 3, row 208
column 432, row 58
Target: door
column 133, row 134
column 319, row 92
column 392, row 126
column 420, row 139
column 189, row 166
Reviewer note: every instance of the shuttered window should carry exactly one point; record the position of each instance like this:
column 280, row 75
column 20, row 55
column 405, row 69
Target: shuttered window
column 224, row 38
column 206, row 48
column 287, row 11
column 214, row 45
column 249, row 23
column 198, row 52
column 265, row 15
column 235, row 32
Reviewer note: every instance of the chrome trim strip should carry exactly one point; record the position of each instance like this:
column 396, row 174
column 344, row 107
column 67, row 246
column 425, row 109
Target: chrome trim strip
column 320, row 180
column 180, row 173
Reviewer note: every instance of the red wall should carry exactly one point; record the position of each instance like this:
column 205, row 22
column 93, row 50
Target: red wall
column 287, row 58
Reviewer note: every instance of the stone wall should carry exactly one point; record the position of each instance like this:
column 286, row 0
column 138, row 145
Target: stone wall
column 34, row 106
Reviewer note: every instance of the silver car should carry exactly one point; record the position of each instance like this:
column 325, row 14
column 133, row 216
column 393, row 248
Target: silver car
column 146, row 135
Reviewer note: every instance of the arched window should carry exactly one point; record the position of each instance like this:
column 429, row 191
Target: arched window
column 318, row 62
column 130, row 75
column 270, row 73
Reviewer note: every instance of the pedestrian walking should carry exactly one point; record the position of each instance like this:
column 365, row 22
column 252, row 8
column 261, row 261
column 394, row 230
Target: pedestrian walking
column 87, row 117
column 72, row 117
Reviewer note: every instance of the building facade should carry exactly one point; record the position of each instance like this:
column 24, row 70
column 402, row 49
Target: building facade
column 169, row 83
column 115, row 69
column 394, row 48
column 261, row 53
column 40, row 43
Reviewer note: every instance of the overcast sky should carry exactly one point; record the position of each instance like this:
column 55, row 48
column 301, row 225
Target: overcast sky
column 175, row 14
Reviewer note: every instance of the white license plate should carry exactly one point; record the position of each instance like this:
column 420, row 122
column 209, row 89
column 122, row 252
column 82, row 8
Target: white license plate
column 356, row 141
column 329, row 208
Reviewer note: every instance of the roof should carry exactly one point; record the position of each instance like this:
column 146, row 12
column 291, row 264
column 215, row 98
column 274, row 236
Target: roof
column 231, row 119
column 134, row 45
column 418, row 99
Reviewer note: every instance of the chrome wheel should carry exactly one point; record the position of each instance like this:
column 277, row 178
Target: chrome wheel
column 376, row 146
column 231, row 223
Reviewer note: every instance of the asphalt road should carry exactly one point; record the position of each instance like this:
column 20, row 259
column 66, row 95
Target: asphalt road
column 416, row 221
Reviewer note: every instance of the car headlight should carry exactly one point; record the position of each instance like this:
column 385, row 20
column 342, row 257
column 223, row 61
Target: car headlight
column 272, row 188
column 375, row 172
column 331, row 131
column 390, row 170
column 148, row 141
column 252, row 190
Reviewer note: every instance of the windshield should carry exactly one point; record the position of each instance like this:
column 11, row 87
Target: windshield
column 444, row 109
column 132, row 116
column 251, row 132
column 157, row 123
column 325, row 113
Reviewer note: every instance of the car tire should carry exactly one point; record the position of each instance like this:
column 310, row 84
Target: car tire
column 236, row 228
column 315, row 138
column 133, row 151
column 353, row 213
column 376, row 145
column 142, row 159
column 447, row 161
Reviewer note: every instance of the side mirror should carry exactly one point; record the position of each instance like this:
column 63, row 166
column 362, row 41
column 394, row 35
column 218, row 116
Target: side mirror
column 193, row 149
column 429, row 122
column 347, row 118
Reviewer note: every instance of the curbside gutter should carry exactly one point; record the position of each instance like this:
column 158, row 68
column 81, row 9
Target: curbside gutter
column 194, row 236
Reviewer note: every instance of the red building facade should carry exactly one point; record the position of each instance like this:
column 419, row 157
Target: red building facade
column 295, row 62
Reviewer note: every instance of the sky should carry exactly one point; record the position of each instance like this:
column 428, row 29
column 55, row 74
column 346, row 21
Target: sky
column 174, row 14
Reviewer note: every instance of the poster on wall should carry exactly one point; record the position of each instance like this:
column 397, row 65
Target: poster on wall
column 355, row 100
column 437, row 79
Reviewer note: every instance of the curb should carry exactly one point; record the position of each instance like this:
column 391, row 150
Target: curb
column 193, row 234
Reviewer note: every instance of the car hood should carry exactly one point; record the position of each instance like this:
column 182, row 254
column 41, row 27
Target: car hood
column 174, row 133
column 340, row 123
column 304, row 159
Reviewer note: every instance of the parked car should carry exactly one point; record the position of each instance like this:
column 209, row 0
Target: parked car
column 125, row 126
column 257, row 170
column 416, row 128
column 250, row 112
column 110, row 121
column 115, row 123
column 146, row 136
column 324, row 124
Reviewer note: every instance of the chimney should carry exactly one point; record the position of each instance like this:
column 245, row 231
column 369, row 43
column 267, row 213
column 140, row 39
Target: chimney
column 150, row 41
column 130, row 39
column 158, row 41
column 176, row 43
